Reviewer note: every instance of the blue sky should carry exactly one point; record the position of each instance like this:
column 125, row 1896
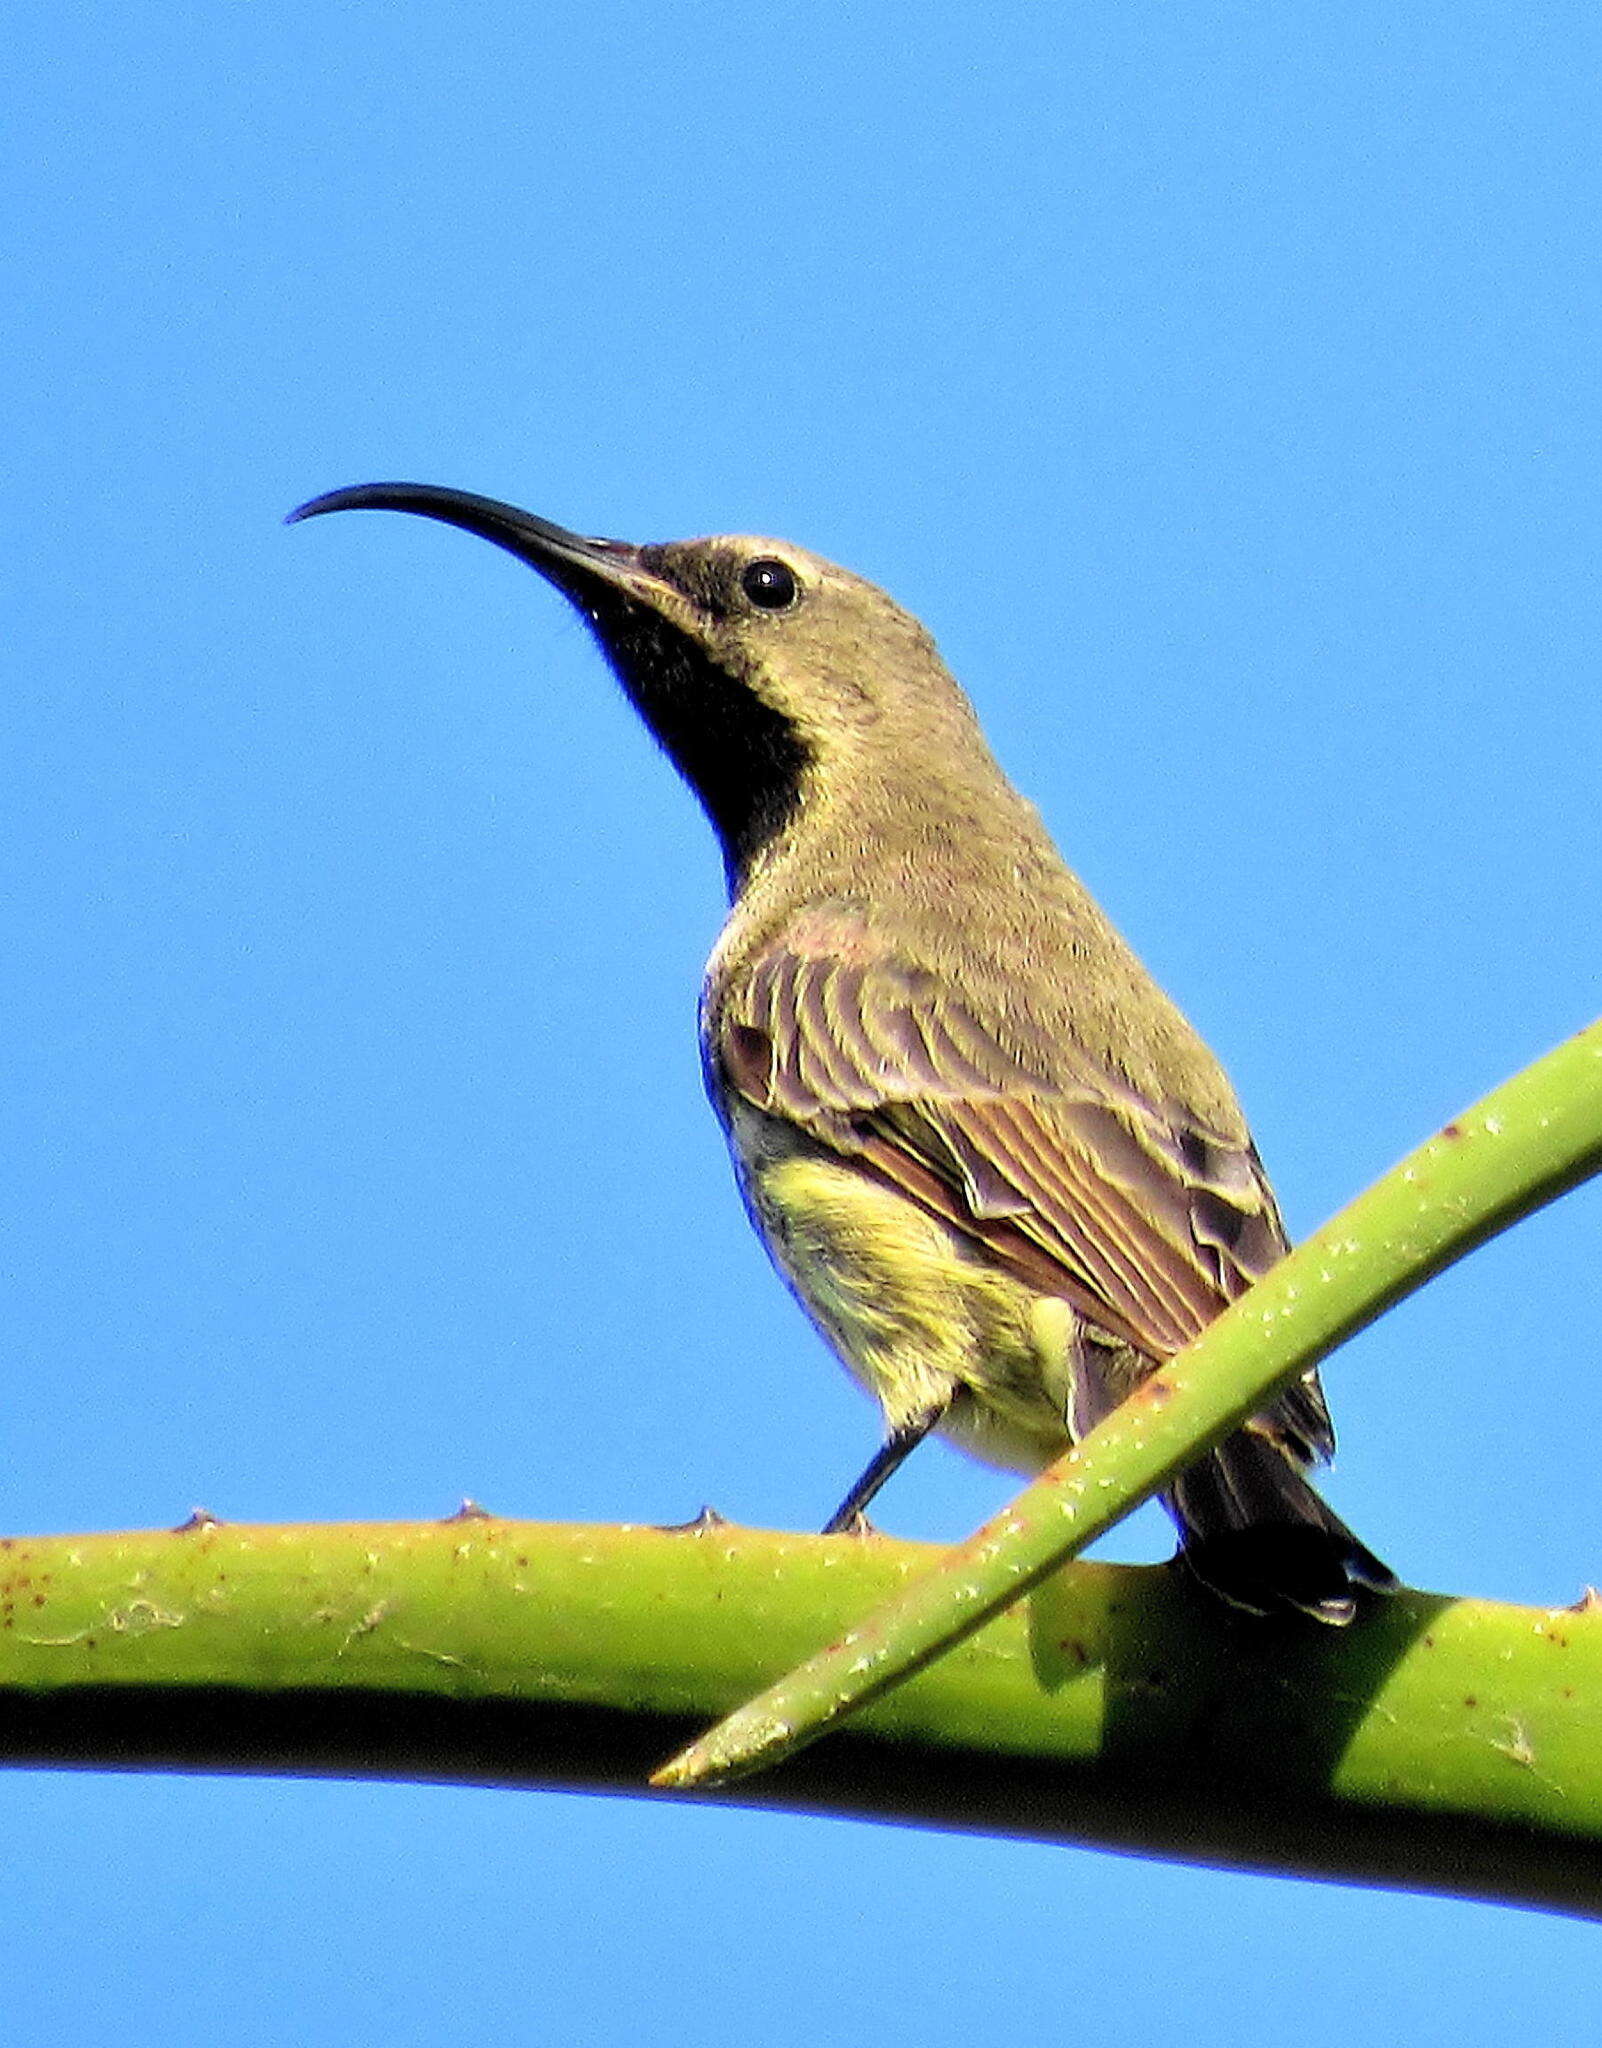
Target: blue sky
column 1223, row 391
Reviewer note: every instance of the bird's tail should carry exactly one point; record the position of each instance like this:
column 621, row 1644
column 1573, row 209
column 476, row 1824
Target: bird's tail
column 1253, row 1530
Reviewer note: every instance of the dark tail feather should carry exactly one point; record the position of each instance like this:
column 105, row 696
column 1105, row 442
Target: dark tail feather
column 1256, row 1534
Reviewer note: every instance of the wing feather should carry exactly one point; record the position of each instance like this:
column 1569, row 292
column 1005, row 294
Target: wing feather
column 1148, row 1222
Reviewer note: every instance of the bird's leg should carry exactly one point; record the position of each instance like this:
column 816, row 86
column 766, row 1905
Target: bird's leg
column 897, row 1447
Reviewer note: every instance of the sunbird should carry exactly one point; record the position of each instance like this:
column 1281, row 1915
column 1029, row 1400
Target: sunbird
column 996, row 1166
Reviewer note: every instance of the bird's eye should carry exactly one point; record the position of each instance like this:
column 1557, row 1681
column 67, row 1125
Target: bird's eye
column 770, row 584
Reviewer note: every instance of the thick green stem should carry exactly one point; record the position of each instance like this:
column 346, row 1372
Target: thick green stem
column 1452, row 1746
column 1525, row 1143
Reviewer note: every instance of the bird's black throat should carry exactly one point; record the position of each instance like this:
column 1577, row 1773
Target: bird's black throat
column 744, row 760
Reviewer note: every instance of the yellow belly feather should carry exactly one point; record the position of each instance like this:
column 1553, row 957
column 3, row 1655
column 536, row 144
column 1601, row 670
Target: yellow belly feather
column 916, row 1314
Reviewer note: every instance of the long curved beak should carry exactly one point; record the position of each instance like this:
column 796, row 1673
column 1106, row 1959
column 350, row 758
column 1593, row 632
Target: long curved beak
column 574, row 562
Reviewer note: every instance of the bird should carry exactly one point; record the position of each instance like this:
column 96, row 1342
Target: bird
column 996, row 1166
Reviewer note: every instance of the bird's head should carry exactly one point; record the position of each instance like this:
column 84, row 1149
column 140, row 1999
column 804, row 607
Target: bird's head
column 764, row 671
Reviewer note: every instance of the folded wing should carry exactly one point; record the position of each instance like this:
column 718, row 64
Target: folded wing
column 1146, row 1221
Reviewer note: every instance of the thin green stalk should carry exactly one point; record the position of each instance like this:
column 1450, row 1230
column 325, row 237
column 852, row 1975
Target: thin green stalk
column 1524, row 1144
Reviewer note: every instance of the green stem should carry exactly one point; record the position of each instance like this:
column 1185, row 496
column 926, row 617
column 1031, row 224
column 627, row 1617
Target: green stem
column 1450, row 1746
column 1525, row 1143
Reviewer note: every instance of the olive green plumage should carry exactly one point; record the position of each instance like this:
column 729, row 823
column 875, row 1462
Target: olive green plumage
column 991, row 1158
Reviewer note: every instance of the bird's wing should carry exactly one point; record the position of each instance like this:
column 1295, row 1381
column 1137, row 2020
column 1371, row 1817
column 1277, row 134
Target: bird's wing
column 1146, row 1221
